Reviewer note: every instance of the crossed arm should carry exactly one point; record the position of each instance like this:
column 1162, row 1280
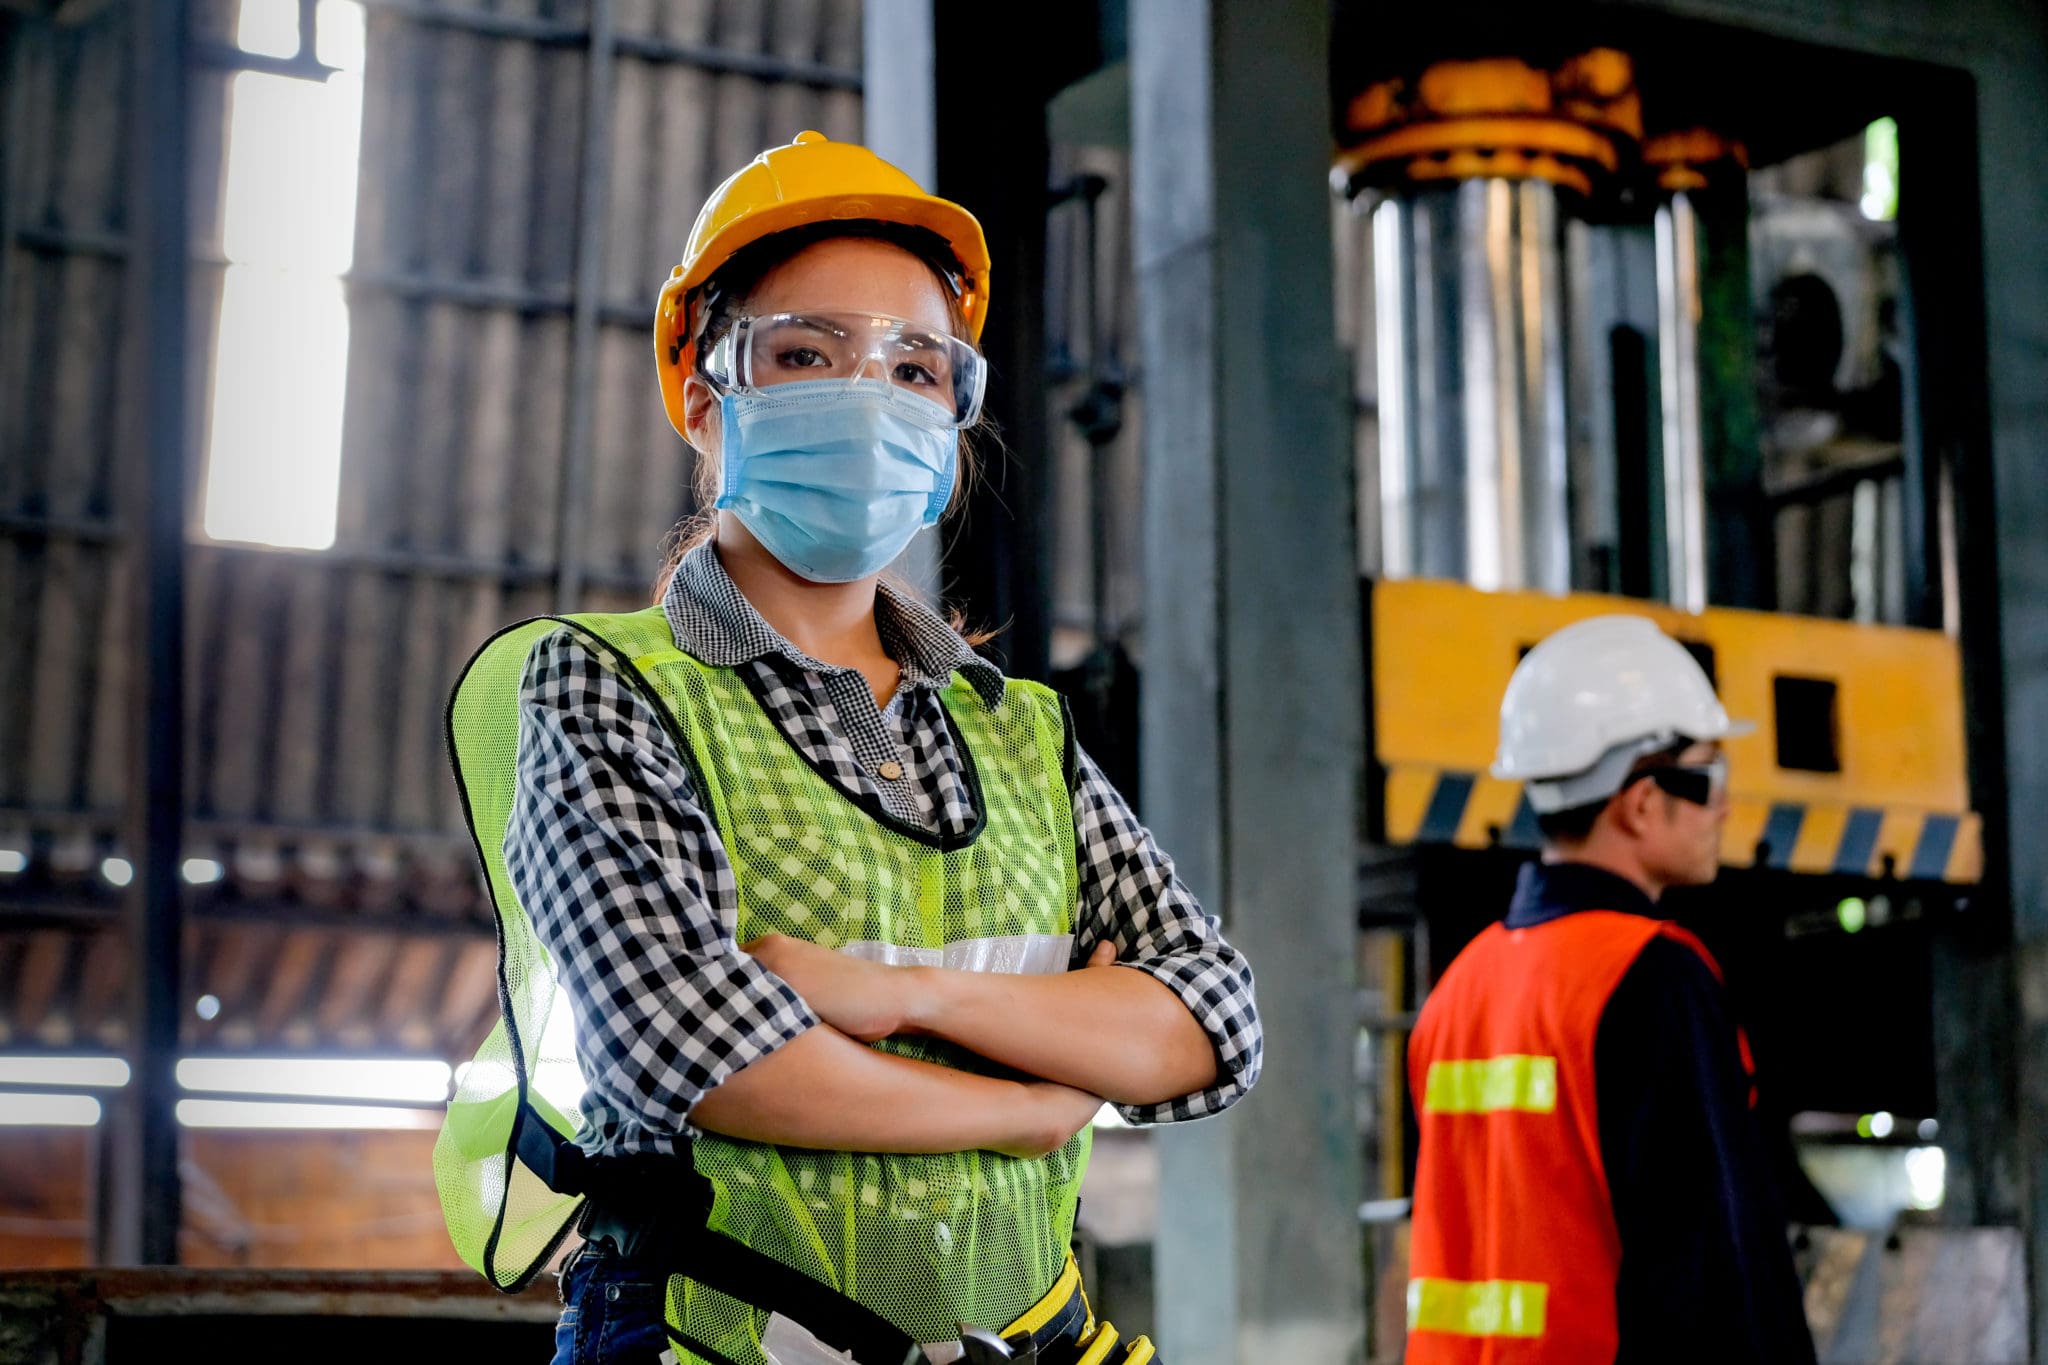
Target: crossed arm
column 1102, row 1031
column 629, row 888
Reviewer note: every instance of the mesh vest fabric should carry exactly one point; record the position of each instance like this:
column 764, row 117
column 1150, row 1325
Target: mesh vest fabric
column 927, row 1241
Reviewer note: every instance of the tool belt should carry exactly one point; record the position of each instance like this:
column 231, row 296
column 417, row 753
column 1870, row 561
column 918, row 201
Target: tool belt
column 653, row 1209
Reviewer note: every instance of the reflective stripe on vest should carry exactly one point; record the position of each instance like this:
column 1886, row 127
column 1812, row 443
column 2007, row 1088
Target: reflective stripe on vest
column 1015, row 954
column 1487, row 1308
column 1491, row 1085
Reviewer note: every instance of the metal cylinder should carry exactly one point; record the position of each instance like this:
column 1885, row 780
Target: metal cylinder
column 1470, row 327
column 1683, row 468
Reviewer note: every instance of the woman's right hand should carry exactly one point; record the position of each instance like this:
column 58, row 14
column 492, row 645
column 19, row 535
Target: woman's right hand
column 1051, row 1114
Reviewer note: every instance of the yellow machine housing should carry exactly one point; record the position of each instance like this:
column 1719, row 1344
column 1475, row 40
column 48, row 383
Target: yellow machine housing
column 1894, row 800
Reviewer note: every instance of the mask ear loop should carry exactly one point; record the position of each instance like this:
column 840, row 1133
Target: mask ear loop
column 729, row 457
column 943, row 494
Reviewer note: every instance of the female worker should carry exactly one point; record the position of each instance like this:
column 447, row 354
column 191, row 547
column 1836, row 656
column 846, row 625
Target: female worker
column 855, row 941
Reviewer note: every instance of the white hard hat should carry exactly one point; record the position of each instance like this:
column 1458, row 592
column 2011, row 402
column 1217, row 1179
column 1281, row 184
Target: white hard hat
column 1590, row 699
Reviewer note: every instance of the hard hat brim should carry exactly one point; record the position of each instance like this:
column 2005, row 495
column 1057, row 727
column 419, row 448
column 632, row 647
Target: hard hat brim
column 958, row 228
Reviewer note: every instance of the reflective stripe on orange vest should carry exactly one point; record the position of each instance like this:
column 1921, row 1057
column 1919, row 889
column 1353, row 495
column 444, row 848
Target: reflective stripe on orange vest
column 1487, row 1308
column 1491, row 1085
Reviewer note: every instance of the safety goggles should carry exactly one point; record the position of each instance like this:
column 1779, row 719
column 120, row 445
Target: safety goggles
column 1703, row 784
column 778, row 348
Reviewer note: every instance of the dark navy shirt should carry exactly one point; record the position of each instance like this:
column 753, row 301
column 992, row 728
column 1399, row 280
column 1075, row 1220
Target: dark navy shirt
column 1706, row 1274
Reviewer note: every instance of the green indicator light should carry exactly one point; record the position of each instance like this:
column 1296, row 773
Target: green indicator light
column 1852, row 913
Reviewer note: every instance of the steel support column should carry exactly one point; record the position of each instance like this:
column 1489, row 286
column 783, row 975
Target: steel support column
column 146, row 1202
column 1252, row 733
column 899, row 117
column 572, row 507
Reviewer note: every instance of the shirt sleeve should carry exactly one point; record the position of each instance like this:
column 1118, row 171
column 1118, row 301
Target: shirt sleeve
column 1129, row 893
column 624, row 878
column 1706, row 1273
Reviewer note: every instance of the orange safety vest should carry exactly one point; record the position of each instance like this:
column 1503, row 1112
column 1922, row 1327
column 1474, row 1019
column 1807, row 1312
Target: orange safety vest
column 1514, row 1254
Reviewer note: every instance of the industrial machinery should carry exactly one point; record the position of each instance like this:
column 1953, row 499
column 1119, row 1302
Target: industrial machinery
column 1620, row 368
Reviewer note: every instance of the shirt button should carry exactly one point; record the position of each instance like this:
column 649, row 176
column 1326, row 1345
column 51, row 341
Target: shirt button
column 890, row 770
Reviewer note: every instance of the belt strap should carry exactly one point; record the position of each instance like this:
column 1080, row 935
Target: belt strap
column 654, row 1208
column 674, row 1237
column 1062, row 1315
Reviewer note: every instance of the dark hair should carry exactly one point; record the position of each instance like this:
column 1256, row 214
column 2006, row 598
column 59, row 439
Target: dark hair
column 716, row 304
column 1571, row 826
column 1576, row 824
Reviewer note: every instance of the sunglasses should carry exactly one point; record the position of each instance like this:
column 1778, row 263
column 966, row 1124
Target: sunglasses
column 1700, row 783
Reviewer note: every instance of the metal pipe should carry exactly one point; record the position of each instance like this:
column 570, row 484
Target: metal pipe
column 1472, row 385
column 1684, row 500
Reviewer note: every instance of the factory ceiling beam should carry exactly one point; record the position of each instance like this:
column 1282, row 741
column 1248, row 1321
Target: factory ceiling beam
column 1253, row 716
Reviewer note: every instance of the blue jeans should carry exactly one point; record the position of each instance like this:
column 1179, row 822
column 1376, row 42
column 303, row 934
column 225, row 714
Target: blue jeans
column 611, row 1310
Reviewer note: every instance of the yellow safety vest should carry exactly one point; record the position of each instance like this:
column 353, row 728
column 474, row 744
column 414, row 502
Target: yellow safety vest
column 927, row 1241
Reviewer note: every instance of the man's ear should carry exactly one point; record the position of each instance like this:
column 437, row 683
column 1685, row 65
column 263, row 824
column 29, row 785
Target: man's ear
column 1630, row 808
column 700, row 414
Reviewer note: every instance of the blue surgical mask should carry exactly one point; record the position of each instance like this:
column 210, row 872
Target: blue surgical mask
column 835, row 476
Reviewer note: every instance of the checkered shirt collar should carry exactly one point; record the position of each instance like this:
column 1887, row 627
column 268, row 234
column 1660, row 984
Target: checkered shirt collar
column 713, row 622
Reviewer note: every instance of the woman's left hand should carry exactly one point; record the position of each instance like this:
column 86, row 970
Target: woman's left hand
column 864, row 1000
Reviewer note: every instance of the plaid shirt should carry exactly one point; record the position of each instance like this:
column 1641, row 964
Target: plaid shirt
column 626, row 882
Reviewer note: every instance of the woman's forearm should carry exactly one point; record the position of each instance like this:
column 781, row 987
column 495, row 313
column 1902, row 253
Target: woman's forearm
column 1113, row 1031
column 824, row 1090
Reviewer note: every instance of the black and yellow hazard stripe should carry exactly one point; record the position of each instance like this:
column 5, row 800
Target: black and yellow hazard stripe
column 1856, row 766
column 1473, row 810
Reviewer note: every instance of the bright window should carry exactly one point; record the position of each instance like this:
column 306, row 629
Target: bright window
column 273, row 464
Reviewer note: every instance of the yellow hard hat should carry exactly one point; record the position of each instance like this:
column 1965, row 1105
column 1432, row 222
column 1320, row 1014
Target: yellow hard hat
column 812, row 180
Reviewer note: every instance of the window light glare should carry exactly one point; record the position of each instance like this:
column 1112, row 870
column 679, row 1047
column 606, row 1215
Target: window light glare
column 345, row 1078
column 269, row 28
column 117, row 871
column 365, row 1078
column 48, row 1111
column 273, row 476
column 289, row 202
column 207, row 1007
column 203, row 871
column 273, row 464
column 342, row 40
column 267, row 1114
column 12, row 861
column 105, row 1073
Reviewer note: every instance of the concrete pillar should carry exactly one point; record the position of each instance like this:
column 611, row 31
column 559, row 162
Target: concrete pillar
column 1252, row 719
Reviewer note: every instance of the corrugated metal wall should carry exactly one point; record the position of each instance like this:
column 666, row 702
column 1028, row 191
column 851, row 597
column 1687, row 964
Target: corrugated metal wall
column 498, row 373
